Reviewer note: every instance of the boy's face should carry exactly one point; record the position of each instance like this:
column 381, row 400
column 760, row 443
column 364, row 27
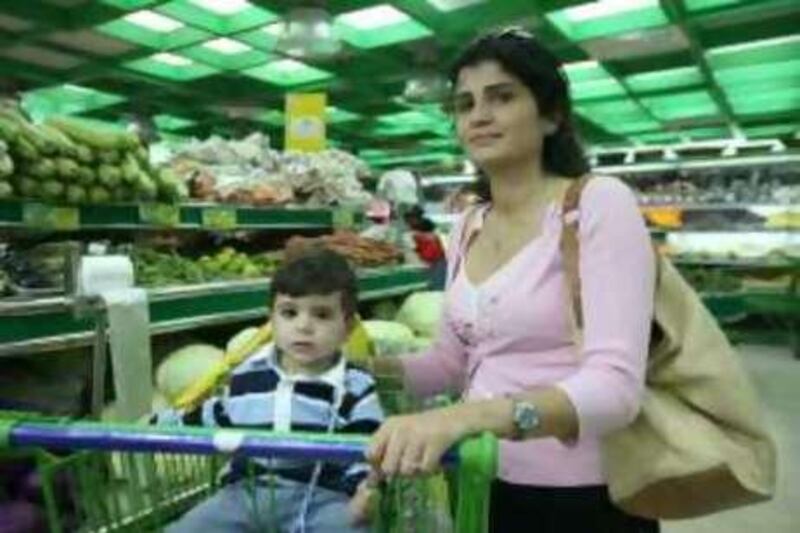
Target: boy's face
column 309, row 330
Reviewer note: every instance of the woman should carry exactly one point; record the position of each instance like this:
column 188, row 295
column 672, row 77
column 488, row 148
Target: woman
column 506, row 340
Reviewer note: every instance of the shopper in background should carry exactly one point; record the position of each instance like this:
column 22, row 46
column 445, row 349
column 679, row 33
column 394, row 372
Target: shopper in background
column 428, row 245
column 302, row 382
column 506, row 340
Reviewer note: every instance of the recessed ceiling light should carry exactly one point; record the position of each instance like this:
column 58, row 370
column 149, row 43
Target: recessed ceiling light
column 605, row 8
column 223, row 7
column 172, row 59
column 153, row 21
column 223, row 45
column 276, row 29
column 374, row 17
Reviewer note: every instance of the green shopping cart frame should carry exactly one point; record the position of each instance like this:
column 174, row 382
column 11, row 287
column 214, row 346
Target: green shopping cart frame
column 136, row 478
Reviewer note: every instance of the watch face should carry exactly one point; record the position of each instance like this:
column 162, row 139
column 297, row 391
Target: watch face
column 527, row 416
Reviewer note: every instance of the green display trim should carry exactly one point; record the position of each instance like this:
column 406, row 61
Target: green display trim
column 638, row 19
column 130, row 216
column 48, row 325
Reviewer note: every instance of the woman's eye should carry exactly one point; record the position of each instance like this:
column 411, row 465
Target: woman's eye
column 323, row 315
column 462, row 106
column 288, row 313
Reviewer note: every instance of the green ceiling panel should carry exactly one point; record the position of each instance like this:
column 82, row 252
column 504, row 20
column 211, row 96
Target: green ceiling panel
column 260, row 38
column 707, row 133
column 172, row 72
column 622, row 109
column 776, row 50
column 767, row 102
column 66, row 100
column 631, row 126
column 288, row 73
column 758, row 132
column 585, row 71
column 227, row 61
column 702, row 5
column 183, row 36
column 171, row 122
column 593, row 20
column 660, row 80
column 383, row 26
column 662, row 137
column 441, row 143
column 591, row 90
column 682, row 105
column 222, row 24
column 273, row 118
column 336, row 115
column 130, row 5
column 786, row 71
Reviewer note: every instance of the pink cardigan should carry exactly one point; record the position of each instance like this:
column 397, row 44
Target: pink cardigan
column 513, row 332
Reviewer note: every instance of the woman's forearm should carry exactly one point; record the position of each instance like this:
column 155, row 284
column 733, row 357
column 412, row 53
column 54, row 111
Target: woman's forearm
column 557, row 415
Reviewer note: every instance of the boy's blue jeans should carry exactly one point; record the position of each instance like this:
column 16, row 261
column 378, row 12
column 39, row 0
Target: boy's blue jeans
column 243, row 507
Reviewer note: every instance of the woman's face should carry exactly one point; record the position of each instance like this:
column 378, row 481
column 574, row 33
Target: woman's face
column 497, row 118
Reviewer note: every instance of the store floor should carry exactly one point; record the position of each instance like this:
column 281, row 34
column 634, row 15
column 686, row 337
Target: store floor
column 777, row 376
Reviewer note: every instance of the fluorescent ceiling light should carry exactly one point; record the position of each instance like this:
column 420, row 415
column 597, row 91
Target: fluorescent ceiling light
column 287, row 65
column 452, row 5
column 223, row 45
column 754, row 45
column 605, row 8
column 77, row 88
column 153, row 21
column 374, row 17
column 223, row 7
column 172, row 59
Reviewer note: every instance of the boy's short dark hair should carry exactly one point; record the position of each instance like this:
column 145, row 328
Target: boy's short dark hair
column 317, row 271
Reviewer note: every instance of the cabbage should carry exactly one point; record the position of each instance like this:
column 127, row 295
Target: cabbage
column 389, row 338
column 421, row 312
column 421, row 343
column 240, row 339
column 184, row 367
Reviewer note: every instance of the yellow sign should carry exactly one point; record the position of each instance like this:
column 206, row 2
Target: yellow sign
column 305, row 122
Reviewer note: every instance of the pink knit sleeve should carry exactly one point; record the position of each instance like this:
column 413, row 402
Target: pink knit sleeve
column 441, row 367
column 617, row 269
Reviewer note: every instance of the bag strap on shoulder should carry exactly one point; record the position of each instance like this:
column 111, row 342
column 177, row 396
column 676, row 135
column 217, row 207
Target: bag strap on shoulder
column 570, row 245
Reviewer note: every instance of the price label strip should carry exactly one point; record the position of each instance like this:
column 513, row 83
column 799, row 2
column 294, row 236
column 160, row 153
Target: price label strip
column 220, row 218
column 164, row 215
column 50, row 217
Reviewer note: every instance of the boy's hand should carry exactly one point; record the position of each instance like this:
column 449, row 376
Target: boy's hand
column 365, row 500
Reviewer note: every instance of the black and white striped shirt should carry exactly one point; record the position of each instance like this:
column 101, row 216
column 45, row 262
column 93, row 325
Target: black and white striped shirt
column 261, row 395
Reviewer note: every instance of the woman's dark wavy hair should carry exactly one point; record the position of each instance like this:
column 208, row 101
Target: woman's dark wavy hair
column 522, row 56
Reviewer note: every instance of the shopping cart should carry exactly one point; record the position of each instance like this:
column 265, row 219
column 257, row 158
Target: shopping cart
column 135, row 478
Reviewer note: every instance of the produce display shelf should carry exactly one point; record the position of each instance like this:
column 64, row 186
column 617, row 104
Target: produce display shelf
column 201, row 216
column 784, row 264
column 735, row 229
column 52, row 323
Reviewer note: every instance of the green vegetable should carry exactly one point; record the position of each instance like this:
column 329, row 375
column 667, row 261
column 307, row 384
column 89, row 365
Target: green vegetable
column 170, row 187
column 24, row 149
column 182, row 368
column 86, row 176
column 76, row 194
column 109, row 157
column 95, row 134
column 68, row 169
column 141, row 155
column 28, row 187
column 130, row 169
column 6, row 166
column 99, row 195
column 109, row 176
column 43, row 168
column 65, row 145
column 9, row 130
column 421, row 312
column 6, row 190
column 52, row 190
column 84, row 154
column 146, row 187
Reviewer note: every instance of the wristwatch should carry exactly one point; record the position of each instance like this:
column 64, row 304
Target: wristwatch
column 525, row 416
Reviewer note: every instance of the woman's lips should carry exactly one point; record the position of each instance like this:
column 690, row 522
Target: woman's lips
column 484, row 138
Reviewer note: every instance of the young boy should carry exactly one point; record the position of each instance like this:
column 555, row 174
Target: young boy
column 300, row 383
